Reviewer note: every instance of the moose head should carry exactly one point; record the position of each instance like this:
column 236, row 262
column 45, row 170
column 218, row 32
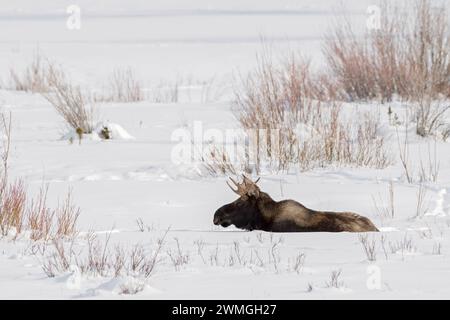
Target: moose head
column 243, row 212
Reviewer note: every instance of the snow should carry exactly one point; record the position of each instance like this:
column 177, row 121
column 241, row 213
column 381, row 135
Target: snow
column 115, row 131
column 132, row 176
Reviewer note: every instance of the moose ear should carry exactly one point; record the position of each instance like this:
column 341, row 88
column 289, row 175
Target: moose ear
column 251, row 187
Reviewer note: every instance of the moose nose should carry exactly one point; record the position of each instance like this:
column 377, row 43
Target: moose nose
column 216, row 219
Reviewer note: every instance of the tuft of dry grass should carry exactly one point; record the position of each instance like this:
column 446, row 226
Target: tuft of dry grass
column 33, row 78
column 335, row 281
column 40, row 217
column 12, row 196
column 124, row 87
column 385, row 209
column 12, row 208
column 99, row 260
column 178, row 257
column 369, row 247
column 404, row 245
column 66, row 217
column 219, row 162
column 71, row 103
column 166, row 92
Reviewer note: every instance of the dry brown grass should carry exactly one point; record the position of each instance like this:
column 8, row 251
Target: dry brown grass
column 219, row 162
column 101, row 260
column 17, row 215
column 32, row 78
column 12, row 196
column 124, row 86
column 40, row 217
column 75, row 106
column 369, row 247
column 407, row 56
column 12, row 208
column 67, row 215
column 300, row 124
column 43, row 222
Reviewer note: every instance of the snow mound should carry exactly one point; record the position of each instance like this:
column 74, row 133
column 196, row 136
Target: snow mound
column 116, row 132
column 440, row 209
column 113, row 130
column 126, row 285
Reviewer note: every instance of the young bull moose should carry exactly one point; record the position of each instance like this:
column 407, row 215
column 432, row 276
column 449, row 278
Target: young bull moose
column 256, row 210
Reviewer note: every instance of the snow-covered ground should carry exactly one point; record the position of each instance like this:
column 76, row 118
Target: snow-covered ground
column 121, row 181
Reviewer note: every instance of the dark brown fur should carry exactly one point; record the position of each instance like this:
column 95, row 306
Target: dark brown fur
column 260, row 212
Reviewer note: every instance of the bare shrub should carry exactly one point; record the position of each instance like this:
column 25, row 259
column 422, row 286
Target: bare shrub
column 12, row 208
column 66, row 217
column 124, row 87
column 287, row 124
column 150, row 263
column 383, row 246
column 141, row 225
column 40, row 217
column 218, row 162
column 369, row 247
column 137, row 257
column 33, row 78
column 403, row 152
column 385, row 209
column 119, row 261
column 348, row 60
column 274, row 254
column 405, row 56
column 298, row 262
column 430, row 116
column 179, row 257
column 335, row 281
column 97, row 262
column 437, row 248
column 408, row 57
column 428, row 49
column 37, row 217
column 136, row 262
column 60, row 260
column 421, row 207
column 237, row 252
column 214, row 256
column 429, row 169
column 166, row 92
column 71, row 103
column 405, row 245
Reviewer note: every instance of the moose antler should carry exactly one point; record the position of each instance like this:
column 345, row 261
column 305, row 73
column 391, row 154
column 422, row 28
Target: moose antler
column 240, row 187
column 246, row 187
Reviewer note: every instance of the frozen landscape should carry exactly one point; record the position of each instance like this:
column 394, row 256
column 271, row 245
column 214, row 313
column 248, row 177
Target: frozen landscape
column 136, row 201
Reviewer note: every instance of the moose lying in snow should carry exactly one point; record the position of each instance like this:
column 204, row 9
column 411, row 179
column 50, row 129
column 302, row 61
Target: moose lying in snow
column 256, row 210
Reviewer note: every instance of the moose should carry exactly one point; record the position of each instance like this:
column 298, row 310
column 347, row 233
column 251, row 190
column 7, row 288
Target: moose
column 256, row 210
